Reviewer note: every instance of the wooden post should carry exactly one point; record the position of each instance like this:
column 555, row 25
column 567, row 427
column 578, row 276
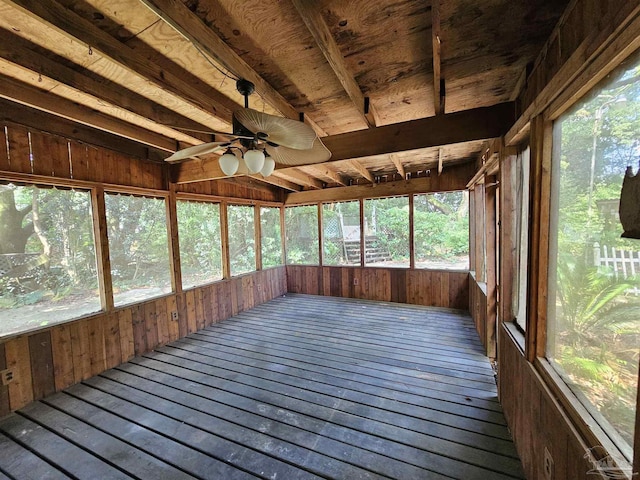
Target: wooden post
column 283, row 237
column 102, row 247
column 224, row 235
column 363, row 247
column 174, row 242
column 320, row 235
column 539, row 247
column 257, row 236
column 412, row 249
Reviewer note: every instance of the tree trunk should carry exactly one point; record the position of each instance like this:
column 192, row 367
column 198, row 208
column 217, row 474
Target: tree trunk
column 13, row 235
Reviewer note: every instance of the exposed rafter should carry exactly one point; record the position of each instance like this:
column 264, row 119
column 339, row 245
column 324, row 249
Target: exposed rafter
column 455, row 178
column 189, row 25
column 53, row 14
column 398, row 164
column 362, row 170
column 21, row 52
column 324, row 170
column 309, row 11
column 297, row 176
column 278, row 182
column 30, row 96
column 436, row 41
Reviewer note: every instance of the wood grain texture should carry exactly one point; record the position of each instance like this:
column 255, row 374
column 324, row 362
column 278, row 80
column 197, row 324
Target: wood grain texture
column 5, row 408
column 418, row 287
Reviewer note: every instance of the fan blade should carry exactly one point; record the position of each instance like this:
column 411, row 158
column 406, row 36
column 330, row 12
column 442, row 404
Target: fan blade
column 282, row 131
column 197, row 150
column 211, row 132
column 290, row 156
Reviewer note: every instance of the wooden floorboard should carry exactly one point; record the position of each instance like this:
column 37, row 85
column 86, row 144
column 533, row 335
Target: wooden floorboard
column 300, row 387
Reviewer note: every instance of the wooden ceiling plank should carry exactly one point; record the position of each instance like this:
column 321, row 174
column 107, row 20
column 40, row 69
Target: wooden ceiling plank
column 455, row 178
column 362, row 170
column 30, row 96
column 477, row 124
column 53, row 14
column 21, row 52
column 399, row 166
column 297, row 176
column 189, row 25
column 438, row 94
column 309, row 11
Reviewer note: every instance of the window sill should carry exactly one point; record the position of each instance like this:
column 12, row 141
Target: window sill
column 516, row 335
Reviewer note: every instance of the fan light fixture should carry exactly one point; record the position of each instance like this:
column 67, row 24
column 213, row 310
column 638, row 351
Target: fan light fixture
column 254, row 160
column 229, row 163
column 269, row 165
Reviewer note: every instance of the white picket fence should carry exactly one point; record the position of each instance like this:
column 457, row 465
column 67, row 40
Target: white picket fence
column 624, row 263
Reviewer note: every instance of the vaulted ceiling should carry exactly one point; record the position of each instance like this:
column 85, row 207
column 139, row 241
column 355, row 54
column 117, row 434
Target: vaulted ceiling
column 394, row 88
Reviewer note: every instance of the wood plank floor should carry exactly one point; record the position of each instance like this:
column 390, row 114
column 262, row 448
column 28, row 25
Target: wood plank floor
column 300, row 387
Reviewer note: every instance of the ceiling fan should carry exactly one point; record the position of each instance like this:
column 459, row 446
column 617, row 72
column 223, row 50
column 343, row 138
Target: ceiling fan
column 259, row 141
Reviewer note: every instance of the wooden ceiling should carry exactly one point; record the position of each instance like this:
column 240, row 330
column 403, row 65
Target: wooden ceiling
column 438, row 78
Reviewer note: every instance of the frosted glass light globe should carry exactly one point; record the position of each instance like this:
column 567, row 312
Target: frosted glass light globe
column 254, row 159
column 228, row 163
column 269, row 165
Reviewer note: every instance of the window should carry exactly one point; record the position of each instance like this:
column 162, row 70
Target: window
column 47, row 270
column 341, row 233
column 301, row 231
column 200, row 245
column 138, row 246
column 242, row 249
column 441, row 230
column 387, row 232
column 593, row 327
column 522, row 232
column 271, row 238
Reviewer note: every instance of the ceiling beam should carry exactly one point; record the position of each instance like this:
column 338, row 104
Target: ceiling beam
column 309, row 11
column 70, row 24
column 455, row 178
column 189, row 25
column 445, row 129
column 436, row 41
column 398, row 164
column 12, row 89
column 297, row 176
column 19, row 51
column 459, row 127
column 362, row 170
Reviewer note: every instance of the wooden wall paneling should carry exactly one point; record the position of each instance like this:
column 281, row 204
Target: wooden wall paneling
column 224, row 303
column 80, row 350
column 17, row 355
column 248, row 292
column 442, row 286
column 216, row 298
column 79, row 157
column 50, row 155
column 183, row 317
column 399, row 286
column 233, row 296
column 332, row 281
column 202, row 304
column 19, row 150
column 173, row 325
column 192, row 311
column 5, row 164
column 163, row 319
column 139, row 329
column 150, row 325
column 42, row 371
column 97, row 353
column 62, row 350
column 127, row 342
column 5, row 408
column 347, row 282
column 111, row 334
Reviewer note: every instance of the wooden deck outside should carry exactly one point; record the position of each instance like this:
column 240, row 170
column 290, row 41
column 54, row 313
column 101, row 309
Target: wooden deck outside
column 299, row 387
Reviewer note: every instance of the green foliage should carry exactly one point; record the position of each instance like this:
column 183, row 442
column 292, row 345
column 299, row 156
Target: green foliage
column 301, row 230
column 242, row 253
column 271, row 237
